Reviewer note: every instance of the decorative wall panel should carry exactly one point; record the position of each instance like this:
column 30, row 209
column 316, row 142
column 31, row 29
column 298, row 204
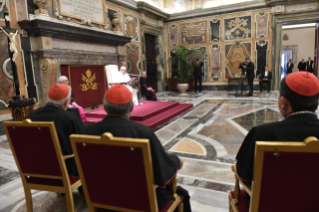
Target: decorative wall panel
column 237, row 28
column 262, row 25
column 201, row 55
column 133, row 58
column 215, row 29
column 235, row 54
column 215, row 62
column 262, row 51
column 173, row 35
column 194, row 33
column 6, row 76
column 131, row 27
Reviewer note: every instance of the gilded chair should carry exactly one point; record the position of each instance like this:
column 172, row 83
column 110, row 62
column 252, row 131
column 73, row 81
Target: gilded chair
column 38, row 155
column 285, row 178
column 117, row 174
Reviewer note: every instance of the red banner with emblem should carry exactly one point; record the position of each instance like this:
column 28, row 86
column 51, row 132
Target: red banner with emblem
column 88, row 85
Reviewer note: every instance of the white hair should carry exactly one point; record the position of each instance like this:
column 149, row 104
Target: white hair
column 62, row 78
column 61, row 101
column 123, row 67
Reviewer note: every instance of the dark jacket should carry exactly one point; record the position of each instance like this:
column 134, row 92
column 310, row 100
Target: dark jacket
column 269, row 76
column 309, row 66
column 289, row 69
column 198, row 70
column 302, row 66
column 250, row 70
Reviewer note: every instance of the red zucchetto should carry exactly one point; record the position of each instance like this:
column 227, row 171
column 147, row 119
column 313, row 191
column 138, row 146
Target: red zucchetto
column 58, row 91
column 303, row 83
column 118, row 95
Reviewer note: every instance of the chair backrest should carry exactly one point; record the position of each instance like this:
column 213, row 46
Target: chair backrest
column 36, row 149
column 116, row 173
column 111, row 74
column 286, row 176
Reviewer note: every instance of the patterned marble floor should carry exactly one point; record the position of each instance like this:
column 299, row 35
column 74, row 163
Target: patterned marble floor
column 206, row 138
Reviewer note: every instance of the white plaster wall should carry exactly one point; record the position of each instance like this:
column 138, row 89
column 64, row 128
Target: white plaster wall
column 304, row 38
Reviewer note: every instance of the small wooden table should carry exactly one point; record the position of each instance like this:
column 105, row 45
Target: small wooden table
column 239, row 82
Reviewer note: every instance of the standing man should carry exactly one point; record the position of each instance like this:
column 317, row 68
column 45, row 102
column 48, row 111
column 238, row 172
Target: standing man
column 310, row 65
column 250, row 73
column 198, row 75
column 302, row 65
column 265, row 77
column 289, row 67
column 118, row 105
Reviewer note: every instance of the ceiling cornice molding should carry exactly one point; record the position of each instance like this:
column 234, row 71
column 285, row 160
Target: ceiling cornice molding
column 233, row 8
column 290, row 2
column 146, row 8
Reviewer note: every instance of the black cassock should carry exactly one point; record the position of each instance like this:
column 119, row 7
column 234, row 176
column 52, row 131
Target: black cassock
column 66, row 124
column 165, row 166
column 144, row 85
column 295, row 128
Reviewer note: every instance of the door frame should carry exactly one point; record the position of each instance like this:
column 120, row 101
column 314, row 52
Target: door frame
column 278, row 21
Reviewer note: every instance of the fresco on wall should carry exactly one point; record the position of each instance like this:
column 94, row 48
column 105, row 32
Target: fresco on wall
column 193, row 33
column 215, row 29
column 262, row 51
column 173, row 35
column 133, row 58
column 262, row 25
column 235, row 54
column 131, row 27
column 215, row 62
column 237, row 28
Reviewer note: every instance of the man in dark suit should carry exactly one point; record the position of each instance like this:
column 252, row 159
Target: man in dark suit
column 297, row 102
column 302, row 65
column 265, row 77
column 289, row 67
column 250, row 75
column 310, row 65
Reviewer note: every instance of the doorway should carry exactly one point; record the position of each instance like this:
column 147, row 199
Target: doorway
column 151, row 65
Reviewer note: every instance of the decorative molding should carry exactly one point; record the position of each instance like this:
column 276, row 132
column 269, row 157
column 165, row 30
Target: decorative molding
column 302, row 7
column 131, row 27
column 64, row 31
column 294, row 49
column 5, row 69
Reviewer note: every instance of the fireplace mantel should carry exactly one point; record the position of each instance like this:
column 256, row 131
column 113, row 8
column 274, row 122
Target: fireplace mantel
column 48, row 28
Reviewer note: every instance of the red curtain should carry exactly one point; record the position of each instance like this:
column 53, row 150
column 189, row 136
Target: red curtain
column 88, row 85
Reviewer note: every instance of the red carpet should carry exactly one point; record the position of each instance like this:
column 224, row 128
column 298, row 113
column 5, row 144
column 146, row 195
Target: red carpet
column 151, row 113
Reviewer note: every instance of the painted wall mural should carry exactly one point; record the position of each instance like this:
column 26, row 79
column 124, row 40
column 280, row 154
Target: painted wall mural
column 215, row 30
column 194, row 33
column 131, row 27
column 215, row 62
column 173, row 35
column 235, row 54
column 133, row 59
column 237, row 28
column 262, row 51
column 262, row 25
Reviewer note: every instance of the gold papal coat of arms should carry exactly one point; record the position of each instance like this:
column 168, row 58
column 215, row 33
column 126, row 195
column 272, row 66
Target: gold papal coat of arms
column 89, row 81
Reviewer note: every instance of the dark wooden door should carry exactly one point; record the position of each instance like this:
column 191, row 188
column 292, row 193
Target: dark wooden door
column 316, row 57
column 151, row 60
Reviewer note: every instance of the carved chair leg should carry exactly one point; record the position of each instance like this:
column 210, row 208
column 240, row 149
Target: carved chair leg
column 28, row 199
column 69, row 200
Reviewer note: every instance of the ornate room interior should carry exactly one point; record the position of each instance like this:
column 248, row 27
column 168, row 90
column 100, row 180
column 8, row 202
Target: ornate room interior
column 41, row 40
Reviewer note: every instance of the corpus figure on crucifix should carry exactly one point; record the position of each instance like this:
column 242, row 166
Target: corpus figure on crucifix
column 12, row 43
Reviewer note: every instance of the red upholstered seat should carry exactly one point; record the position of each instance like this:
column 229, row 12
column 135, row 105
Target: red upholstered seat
column 37, row 152
column 117, row 174
column 242, row 207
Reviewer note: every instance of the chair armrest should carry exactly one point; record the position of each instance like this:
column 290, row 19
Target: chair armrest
column 68, row 156
column 245, row 185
